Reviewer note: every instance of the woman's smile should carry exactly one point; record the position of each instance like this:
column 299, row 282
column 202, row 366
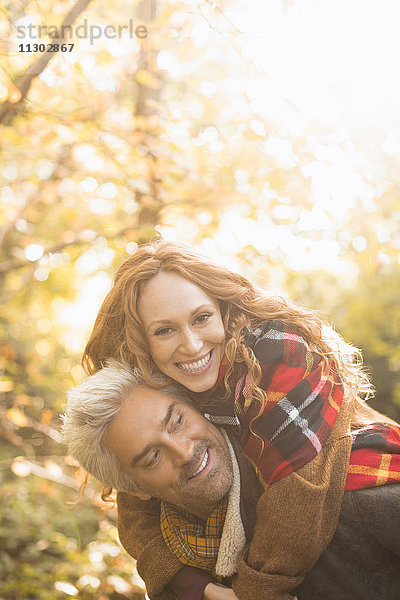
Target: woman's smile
column 196, row 367
column 184, row 330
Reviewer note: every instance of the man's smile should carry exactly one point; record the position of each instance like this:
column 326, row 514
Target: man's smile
column 202, row 465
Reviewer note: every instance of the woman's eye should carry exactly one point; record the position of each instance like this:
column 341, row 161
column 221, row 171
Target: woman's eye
column 163, row 331
column 203, row 317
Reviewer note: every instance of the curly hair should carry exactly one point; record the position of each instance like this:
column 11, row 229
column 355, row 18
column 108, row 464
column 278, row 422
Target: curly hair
column 118, row 332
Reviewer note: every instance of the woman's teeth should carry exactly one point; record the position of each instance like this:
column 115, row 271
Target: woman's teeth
column 194, row 366
column 203, row 464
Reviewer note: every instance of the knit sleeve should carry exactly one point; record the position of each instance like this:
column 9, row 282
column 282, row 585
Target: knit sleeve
column 303, row 398
column 140, row 534
column 296, row 519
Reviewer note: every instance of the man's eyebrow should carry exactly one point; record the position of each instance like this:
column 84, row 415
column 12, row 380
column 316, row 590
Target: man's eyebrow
column 149, row 446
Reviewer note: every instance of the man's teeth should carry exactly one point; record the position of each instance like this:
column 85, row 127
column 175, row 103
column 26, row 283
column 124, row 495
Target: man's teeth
column 203, row 464
column 196, row 365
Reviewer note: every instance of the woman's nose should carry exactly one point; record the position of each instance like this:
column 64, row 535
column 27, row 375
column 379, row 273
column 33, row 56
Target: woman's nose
column 190, row 342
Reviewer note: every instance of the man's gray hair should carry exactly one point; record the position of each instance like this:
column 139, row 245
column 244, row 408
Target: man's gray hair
column 91, row 406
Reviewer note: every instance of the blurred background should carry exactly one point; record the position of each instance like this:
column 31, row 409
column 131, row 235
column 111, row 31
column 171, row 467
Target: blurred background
column 266, row 132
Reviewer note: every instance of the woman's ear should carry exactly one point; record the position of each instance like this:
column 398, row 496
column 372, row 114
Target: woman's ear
column 140, row 494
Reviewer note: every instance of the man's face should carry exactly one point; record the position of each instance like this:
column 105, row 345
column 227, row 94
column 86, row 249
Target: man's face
column 170, row 451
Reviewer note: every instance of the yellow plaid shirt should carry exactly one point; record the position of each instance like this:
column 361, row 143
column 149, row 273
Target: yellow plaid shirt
column 194, row 541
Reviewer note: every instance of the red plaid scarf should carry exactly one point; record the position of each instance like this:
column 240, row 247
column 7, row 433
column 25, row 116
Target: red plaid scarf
column 304, row 396
column 375, row 458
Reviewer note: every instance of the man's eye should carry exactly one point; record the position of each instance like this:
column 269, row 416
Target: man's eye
column 178, row 421
column 203, row 317
column 153, row 458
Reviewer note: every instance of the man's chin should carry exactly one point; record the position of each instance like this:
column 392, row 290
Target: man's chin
column 206, row 500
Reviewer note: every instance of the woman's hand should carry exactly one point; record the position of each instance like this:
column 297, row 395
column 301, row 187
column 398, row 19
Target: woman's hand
column 215, row 591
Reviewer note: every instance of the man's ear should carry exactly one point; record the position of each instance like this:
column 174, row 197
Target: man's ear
column 140, row 494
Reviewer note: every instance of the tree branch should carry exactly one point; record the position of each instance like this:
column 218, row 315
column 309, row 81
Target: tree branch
column 23, row 83
column 52, row 433
column 17, row 263
column 32, row 468
column 9, row 432
column 57, row 477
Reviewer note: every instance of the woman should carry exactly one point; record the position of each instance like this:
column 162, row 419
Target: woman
column 251, row 361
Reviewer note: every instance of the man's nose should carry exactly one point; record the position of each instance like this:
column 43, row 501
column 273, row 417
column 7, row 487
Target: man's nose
column 182, row 450
column 190, row 342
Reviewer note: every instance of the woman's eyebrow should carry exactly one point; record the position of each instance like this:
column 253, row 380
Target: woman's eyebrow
column 150, row 445
column 158, row 321
column 167, row 320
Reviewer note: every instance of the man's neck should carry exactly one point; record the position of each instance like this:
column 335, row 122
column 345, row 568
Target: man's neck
column 199, row 513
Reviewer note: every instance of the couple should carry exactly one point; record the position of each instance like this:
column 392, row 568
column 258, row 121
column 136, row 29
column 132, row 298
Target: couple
column 288, row 393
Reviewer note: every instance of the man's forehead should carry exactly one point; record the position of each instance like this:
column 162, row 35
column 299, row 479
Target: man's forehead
column 143, row 414
column 143, row 394
column 150, row 406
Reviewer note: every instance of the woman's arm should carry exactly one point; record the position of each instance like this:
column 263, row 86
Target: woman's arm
column 300, row 445
column 296, row 518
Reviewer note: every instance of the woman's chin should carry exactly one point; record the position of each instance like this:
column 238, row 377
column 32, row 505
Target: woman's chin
column 198, row 383
column 195, row 381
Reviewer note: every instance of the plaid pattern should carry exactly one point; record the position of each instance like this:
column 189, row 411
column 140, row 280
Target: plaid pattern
column 375, row 458
column 194, row 542
column 304, row 395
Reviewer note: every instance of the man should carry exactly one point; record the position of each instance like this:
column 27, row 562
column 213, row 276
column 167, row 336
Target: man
column 148, row 443
column 154, row 444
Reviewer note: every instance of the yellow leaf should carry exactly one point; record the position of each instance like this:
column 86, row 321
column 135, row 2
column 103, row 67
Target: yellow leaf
column 17, row 417
column 7, row 351
column 46, row 417
column 14, row 94
column 24, row 399
column 147, row 79
column 21, row 467
column 6, row 386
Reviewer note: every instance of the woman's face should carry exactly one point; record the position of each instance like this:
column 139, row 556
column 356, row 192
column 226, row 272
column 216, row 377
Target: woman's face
column 184, row 330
